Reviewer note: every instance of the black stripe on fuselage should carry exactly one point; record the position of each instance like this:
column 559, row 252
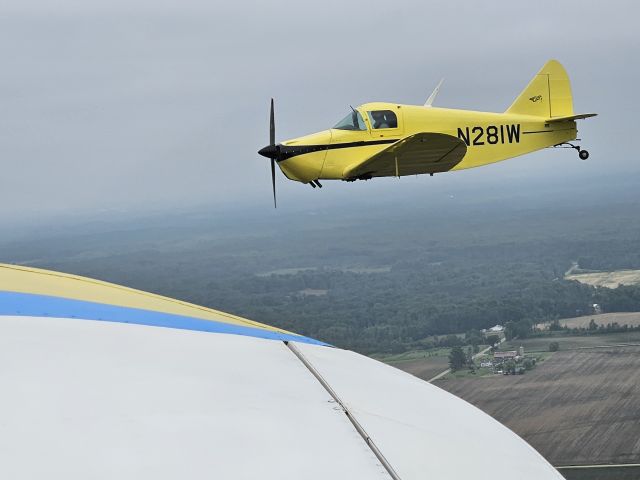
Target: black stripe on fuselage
column 288, row 151
column 548, row 131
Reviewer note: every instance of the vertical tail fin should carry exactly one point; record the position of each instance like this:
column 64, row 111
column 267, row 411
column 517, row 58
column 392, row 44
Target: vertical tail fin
column 548, row 94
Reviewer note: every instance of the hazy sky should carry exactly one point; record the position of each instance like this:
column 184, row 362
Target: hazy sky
column 143, row 104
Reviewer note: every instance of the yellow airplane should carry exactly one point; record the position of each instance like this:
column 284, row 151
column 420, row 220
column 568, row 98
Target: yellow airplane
column 387, row 139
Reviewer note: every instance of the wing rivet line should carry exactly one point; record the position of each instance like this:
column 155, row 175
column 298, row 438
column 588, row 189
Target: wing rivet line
column 365, row 436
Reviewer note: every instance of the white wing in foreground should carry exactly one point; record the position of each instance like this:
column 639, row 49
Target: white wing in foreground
column 90, row 397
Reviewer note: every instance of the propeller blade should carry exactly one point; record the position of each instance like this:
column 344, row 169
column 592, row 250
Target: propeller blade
column 273, row 181
column 272, row 127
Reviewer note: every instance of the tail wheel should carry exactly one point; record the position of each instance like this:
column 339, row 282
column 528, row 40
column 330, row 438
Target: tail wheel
column 583, row 154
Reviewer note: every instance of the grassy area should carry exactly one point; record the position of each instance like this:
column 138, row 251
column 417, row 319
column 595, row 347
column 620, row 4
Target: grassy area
column 426, row 364
column 412, row 355
column 466, row 373
column 484, row 372
column 317, row 292
column 383, row 269
column 423, row 364
column 285, row 271
column 336, row 268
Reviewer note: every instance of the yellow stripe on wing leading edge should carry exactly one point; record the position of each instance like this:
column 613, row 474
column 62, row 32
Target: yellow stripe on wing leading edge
column 21, row 279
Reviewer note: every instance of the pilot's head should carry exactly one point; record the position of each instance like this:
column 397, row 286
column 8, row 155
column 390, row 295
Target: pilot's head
column 378, row 119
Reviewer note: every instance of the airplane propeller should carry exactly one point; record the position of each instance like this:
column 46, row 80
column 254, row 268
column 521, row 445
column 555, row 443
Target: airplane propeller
column 272, row 142
column 272, row 151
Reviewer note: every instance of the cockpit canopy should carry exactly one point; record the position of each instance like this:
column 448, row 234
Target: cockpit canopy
column 353, row 121
column 377, row 118
column 383, row 119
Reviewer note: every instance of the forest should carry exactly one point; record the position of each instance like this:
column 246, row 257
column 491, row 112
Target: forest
column 374, row 278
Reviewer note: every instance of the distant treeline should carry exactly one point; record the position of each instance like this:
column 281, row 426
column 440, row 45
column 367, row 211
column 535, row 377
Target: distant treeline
column 388, row 313
column 379, row 280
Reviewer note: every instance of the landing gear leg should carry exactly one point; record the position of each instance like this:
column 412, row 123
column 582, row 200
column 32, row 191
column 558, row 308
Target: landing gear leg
column 583, row 154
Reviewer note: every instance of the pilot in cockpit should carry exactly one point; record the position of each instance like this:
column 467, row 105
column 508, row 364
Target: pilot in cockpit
column 379, row 120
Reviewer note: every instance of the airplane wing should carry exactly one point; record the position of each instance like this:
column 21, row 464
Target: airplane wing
column 103, row 381
column 420, row 153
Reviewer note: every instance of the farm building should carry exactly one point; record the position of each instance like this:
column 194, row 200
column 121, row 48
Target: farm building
column 494, row 329
column 505, row 355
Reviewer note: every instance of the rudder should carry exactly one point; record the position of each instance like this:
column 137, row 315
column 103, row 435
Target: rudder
column 547, row 95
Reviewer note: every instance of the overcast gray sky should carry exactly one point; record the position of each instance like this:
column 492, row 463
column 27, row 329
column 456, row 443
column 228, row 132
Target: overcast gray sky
column 116, row 104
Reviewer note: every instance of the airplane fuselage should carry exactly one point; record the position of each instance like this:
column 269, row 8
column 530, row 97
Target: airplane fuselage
column 490, row 137
column 388, row 139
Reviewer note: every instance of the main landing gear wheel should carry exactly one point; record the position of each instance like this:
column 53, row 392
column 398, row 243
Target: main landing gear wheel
column 583, row 154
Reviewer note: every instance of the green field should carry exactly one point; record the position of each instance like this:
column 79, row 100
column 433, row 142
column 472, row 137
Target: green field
column 422, row 364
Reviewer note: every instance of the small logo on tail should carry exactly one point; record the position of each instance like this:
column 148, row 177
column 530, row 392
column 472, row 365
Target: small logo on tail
column 535, row 99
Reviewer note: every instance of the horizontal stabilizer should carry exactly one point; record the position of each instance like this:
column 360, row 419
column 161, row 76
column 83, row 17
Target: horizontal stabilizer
column 571, row 118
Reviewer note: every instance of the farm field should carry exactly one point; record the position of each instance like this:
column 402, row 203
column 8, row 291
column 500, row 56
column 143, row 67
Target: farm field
column 607, row 279
column 571, row 342
column 577, row 408
column 623, row 318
